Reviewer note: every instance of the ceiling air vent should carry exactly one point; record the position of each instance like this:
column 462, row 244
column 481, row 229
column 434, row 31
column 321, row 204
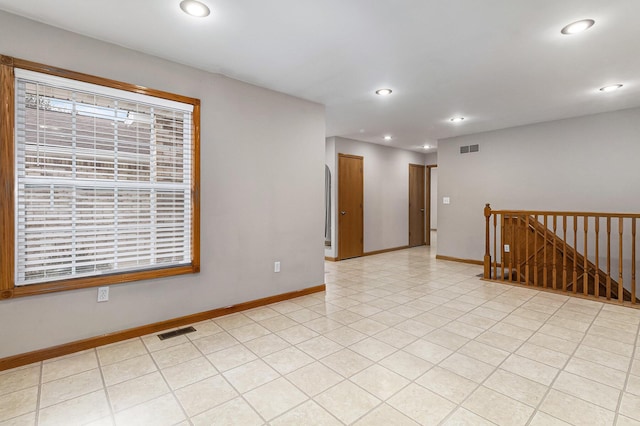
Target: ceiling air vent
column 464, row 149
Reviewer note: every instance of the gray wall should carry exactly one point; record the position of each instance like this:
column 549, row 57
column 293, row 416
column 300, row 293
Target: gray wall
column 386, row 191
column 330, row 160
column 262, row 196
column 432, row 159
column 434, row 198
column 580, row 164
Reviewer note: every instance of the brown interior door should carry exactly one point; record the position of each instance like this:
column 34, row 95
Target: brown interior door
column 350, row 206
column 416, row 205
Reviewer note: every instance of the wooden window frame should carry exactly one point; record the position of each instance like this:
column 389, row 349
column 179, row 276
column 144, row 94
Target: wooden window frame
column 8, row 289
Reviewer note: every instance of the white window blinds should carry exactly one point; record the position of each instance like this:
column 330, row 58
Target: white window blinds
column 103, row 180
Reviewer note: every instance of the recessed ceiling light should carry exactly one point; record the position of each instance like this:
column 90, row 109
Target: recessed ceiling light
column 611, row 88
column 194, row 8
column 387, row 138
column 457, row 119
column 578, row 26
column 427, row 146
column 384, row 92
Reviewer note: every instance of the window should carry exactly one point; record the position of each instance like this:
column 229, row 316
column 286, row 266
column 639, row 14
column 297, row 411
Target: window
column 102, row 180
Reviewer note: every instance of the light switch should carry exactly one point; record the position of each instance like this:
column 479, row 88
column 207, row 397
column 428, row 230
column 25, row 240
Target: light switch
column 446, row 200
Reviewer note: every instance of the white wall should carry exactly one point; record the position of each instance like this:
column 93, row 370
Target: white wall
column 580, row 164
column 386, row 192
column 262, row 196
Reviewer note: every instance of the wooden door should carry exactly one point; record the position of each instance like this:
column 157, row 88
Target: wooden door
column 350, row 206
column 417, row 217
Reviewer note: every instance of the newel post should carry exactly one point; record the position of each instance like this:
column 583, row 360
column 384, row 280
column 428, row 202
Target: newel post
column 487, row 247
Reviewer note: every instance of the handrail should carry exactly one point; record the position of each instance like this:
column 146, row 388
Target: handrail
column 554, row 250
column 564, row 213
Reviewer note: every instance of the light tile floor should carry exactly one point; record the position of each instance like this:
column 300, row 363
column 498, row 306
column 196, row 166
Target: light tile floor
column 397, row 339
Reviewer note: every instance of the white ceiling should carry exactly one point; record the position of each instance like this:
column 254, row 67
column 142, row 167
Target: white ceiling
column 498, row 63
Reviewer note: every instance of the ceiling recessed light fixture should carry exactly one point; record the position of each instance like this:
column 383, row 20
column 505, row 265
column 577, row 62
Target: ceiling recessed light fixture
column 427, row 146
column 194, row 8
column 387, row 138
column 578, row 26
column 456, row 119
column 611, row 88
column 384, row 92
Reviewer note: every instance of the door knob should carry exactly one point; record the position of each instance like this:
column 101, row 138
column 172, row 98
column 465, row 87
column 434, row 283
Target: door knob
column 422, row 210
column 343, row 212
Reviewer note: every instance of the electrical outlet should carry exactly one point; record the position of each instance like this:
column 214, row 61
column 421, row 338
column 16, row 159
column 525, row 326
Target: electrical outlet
column 276, row 266
column 103, row 294
column 446, row 200
column 506, row 248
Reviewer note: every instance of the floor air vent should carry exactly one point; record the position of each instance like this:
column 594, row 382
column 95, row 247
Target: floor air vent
column 174, row 333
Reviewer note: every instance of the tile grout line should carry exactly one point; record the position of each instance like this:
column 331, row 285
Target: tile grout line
column 560, row 370
column 148, row 353
column 413, row 381
column 458, row 405
column 159, row 370
column 626, row 380
column 315, row 360
column 69, row 356
column 221, row 374
column 497, row 367
column 39, row 397
column 242, row 394
column 344, row 379
column 382, row 401
column 577, row 346
column 112, row 414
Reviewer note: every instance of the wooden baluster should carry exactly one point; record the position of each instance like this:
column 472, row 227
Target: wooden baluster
column 495, row 246
column 564, row 254
column 544, row 261
column 555, row 268
column 511, row 249
column 502, row 259
column 487, row 251
column 597, row 277
column 526, row 250
column 575, row 254
column 535, row 251
column 608, row 258
column 517, row 244
column 585, row 266
column 620, row 286
column 633, row 260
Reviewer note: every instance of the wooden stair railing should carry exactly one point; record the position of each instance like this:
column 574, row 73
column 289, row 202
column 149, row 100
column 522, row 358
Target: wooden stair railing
column 551, row 250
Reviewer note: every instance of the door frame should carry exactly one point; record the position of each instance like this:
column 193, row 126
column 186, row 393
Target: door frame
column 428, row 202
column 339, row 207
column 424, row 228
